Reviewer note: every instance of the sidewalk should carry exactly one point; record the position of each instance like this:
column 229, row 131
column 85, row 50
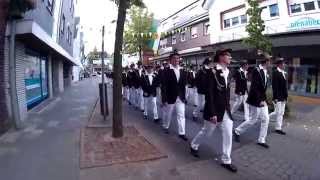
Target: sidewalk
column 294, row 156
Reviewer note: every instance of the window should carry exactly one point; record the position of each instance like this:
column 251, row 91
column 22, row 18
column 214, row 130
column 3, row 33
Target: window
column 226, row 23
column 163, row 43
column 183, row 36
column 194, row 32
column 235, row 21
column 63, row 22
column 295, row 8
column 274, row 10
column 68, row 34
column 244, row 19
column 50, row 5
column 206, row 29
column 319, row 4
column 174, row 39
column 309, row 6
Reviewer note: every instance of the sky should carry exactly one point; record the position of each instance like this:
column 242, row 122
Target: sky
column 96, row 13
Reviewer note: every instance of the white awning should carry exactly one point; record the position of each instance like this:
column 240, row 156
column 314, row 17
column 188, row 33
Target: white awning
column 27, row 27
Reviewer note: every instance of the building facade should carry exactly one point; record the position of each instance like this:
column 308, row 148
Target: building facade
column 185, row 31
column 293, row 27
column 42, row 64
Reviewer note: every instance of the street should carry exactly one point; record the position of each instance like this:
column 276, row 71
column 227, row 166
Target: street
column 48, row 147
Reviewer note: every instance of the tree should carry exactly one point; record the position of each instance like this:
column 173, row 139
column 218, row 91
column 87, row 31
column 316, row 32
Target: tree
column 123, row 5
column 255, row 29
column 137, row 31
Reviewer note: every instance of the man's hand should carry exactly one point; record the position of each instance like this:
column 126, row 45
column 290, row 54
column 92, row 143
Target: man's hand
column 263, row 103
column 214, row 119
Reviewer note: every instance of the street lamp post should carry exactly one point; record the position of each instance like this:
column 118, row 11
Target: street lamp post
column 104, row 110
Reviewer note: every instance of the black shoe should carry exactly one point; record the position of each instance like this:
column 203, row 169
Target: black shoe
column 156, row 120
column 142, row 111
column 194, row 153
column 263, row 145
column 166, row 131
column 194, row 105
column 230, row 167
column 195, row 119
column 236, row 136
column 201, row 111
column 129, row 103
column 280, row 132
column 183, row 137
column 145, row 117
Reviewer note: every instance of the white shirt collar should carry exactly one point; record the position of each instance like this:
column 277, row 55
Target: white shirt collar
column 206, row 67
column 241, row 69
column 220, row 67
column 261, row 67
column 172, row 67
column 280, row 70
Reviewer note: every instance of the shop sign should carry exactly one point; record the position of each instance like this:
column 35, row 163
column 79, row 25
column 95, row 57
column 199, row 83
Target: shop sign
column 304, row 23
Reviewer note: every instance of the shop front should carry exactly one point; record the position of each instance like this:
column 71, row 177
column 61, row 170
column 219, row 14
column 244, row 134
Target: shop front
column 36, row 78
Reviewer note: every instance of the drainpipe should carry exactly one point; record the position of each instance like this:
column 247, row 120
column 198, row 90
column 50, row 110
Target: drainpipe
column 15, row 112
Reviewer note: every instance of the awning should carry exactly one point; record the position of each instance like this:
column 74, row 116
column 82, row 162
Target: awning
column 31, row 33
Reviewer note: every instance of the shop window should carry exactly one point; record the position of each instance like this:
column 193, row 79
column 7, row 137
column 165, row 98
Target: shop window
column 244, row 19
column 309, row 6
column 206, row 29
column 295, row 8
column 174, row 39
column 235, row 21
column 194, row 32
column 226, row 23
column 183, row 36
column 63, row 22
column 274, row 10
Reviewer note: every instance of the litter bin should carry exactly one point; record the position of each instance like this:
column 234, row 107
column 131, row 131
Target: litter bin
column 106, row 99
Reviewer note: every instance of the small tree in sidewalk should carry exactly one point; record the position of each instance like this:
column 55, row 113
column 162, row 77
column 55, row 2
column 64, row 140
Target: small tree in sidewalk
column 255, row 28
column 123, row 5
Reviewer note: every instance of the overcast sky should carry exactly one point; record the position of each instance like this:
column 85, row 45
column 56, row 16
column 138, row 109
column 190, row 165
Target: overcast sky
column 95, row 13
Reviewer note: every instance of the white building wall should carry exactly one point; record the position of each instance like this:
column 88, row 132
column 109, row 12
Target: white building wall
column 280, row 24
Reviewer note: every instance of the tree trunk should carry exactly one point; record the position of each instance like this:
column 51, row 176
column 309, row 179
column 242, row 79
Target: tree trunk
column 4, row 118
column 140, row 53
column 117, row 126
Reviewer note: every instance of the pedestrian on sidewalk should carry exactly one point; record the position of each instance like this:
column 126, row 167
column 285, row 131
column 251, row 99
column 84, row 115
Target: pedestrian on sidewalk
column 258, row 107
column 280, row 94
column 241, row 90
column 201, row 85
column 149, row 87
column 161, row 78
column 125, row 85
column 175, row 80
column 217, row 108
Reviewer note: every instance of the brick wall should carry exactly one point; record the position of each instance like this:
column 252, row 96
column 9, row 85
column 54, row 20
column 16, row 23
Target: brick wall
column 4, row 115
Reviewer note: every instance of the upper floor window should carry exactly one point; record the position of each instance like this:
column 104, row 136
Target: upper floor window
column 309, row 6
column 243, row 19
column 174, row 39
column 163, row 43
column 319, row 4
column 68, row 34
column 63, row 22
column 194, row 32
column 50, row 5
column 295, row 8
column 226, row 23
column 274, row 10
column 235, row 21
column 206, row 29
column 183, row 36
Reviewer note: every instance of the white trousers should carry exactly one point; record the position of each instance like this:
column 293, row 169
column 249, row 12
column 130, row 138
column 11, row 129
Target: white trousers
column 278, row 113
column 151, row 102
column 132, row 96
column 180, row 109
column 200, row 105
column 140, row 99
column 226, row 128
column 241, row 100
column 255, row 114
column 192, row 96
column 126, row 93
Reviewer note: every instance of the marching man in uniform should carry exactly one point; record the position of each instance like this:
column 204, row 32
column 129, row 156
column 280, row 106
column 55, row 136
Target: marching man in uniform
column 258, row 107
column 217, row 108
column 139, row 97
column 174, row 84
column 149, row 87
column 280, row 94
column 241, row 90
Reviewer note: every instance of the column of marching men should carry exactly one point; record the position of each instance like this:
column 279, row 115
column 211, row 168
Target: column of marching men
column 207, row 90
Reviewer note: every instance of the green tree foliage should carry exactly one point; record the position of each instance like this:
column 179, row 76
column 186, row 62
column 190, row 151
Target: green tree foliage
column 255, row 28
column 136, row 36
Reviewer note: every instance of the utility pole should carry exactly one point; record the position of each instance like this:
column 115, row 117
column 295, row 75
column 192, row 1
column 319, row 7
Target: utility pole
column 103, row 80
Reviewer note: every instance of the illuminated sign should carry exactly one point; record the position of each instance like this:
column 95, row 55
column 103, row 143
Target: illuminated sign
column 305, row 22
